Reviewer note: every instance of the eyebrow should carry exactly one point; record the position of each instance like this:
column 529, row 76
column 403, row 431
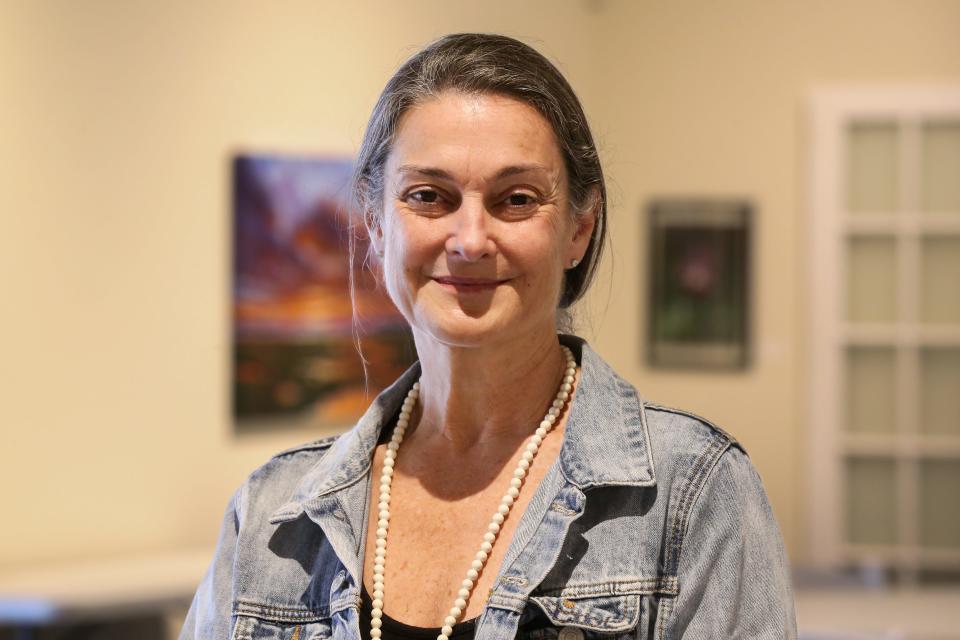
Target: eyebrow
column 442, row 174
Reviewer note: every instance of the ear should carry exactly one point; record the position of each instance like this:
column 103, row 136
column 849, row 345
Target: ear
column 584, row 224
column 375, row 233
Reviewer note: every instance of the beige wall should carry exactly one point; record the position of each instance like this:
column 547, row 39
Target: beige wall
column 117, row 120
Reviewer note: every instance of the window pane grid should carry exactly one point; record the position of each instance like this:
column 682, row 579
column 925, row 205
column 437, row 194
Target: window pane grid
column 902, row 260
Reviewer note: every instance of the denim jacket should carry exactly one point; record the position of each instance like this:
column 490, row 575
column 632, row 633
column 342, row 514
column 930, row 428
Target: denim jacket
column 652, row 523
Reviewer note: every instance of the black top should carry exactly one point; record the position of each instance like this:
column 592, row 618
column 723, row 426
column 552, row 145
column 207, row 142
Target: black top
column 396, row 630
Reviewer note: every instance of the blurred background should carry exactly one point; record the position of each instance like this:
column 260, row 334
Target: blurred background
column 838, row 122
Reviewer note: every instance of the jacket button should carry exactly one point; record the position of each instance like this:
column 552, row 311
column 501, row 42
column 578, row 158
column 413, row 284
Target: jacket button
column 570, row 633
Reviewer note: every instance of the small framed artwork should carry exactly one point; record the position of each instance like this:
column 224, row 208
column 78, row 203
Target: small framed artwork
column 295, row 359
column 699, row 284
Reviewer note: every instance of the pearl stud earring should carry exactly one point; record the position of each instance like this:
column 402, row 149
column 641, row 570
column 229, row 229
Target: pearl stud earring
column 573, row 263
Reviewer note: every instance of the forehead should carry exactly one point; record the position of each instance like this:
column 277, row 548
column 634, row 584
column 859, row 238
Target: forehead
column 474, row 135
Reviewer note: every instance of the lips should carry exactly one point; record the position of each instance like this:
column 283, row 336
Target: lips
column 465, row 284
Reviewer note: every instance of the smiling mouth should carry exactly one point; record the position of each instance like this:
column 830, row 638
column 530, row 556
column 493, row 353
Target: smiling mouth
column 462, row 284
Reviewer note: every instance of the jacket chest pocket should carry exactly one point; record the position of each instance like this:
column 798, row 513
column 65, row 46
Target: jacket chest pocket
column 572, row 617
column 273, row 626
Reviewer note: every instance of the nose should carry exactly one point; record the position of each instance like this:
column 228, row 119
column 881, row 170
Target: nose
column 470, row 238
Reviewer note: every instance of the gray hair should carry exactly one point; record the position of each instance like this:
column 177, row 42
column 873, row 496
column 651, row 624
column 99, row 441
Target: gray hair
column 476, row 63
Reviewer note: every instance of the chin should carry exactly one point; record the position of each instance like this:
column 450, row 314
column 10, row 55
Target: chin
column 461, row 330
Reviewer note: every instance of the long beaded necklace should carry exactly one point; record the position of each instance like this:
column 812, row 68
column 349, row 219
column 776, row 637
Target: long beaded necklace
column 386, row 478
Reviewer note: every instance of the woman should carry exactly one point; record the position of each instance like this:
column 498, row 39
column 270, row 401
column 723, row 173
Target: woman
column 509, row 484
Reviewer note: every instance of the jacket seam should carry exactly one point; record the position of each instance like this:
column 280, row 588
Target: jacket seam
column 696, row 480
column 273, row 613
column 666, row 585
column 689, row 414
column 322, row 443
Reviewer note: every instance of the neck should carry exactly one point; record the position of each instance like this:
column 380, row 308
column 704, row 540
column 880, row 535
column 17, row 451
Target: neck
column 489, row 395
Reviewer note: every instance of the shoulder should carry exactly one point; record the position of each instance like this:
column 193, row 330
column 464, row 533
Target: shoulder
column 677, row 430
column 294, row 458
column 272, row 483
column 703, row 465
column 690, row 451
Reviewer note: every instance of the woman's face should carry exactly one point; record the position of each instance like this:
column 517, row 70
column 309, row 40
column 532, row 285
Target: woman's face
column 477, row 226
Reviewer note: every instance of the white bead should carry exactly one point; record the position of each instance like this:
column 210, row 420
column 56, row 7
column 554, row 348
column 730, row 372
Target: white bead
column 387, row 472
column 503, row 509
column 486, row 546
column 537, row 439
column 377, row 604
column 481, row 556
column 557, row 404
column 381, row 544
column 568, row 378
column 507, row 500
column 384, row 514
column 445, row 631
column 380, row 553
column 388, row 462
column 524, row 464
column 375, row 633
column 467, row 584
column 498, row 518
column 533, row 447
column 476, row 565
column 464, row 592
column 563, row 397
column 545, row 425
column 460, row 603
column 382, row 522
column 489, row 537
column 513, row 492
column 376, row 613
column 376, row 623
column 392, row 447
column 450, row 621
column 519, row 473
column 566, row 386
column 552, row 413
column 381, row 532
column 493, row 527
column 377, row 594
column 516, row 482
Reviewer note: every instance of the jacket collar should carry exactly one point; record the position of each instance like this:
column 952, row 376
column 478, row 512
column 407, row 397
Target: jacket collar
column 606, row 441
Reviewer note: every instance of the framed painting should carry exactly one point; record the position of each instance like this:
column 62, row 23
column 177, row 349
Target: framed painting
column 295, row 330
column 699, row 284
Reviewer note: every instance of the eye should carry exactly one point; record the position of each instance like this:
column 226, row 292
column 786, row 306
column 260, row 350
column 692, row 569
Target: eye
column 427, row 200
column 519, row 200
column 424, row 196
column 520, row 203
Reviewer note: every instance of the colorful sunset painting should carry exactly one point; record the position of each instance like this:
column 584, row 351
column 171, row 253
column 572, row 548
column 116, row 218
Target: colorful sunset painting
column 295, row 358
